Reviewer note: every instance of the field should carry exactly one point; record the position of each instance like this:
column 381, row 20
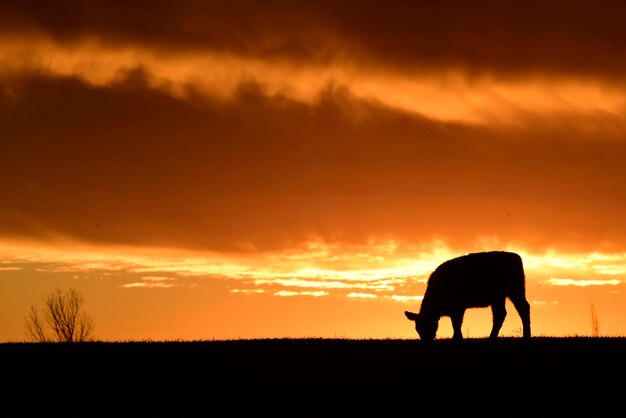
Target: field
column 577, row 373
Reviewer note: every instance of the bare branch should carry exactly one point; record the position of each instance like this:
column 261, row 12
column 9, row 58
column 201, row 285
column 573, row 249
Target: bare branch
column 64, row 316
column 35, row 327
column 85, row 327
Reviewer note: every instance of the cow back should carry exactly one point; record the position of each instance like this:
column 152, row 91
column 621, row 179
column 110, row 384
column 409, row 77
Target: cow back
column 474, row 280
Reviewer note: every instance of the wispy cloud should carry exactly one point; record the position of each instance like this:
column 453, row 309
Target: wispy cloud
column 582, row 282
column 362, row 295
column 407, row 299
column 248, row 291
column 446, row 95
column 162, row 282
column 288, row 293
column 582, row 38
column 398, row 272
column 148, row 285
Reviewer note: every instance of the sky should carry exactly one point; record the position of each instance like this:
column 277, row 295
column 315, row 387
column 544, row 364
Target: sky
column 269, row 169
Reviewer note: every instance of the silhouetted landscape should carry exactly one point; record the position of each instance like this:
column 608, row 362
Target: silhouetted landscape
column 566, row 373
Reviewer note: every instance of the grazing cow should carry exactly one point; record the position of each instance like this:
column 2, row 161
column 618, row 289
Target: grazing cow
column 476, row 280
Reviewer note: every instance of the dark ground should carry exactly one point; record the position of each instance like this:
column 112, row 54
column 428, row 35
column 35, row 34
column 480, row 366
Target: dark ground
column 313, row 377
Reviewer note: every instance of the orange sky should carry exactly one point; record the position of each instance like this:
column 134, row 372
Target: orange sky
column 294, row 169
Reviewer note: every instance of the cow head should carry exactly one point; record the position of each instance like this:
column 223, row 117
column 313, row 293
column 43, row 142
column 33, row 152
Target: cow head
column 425, row 325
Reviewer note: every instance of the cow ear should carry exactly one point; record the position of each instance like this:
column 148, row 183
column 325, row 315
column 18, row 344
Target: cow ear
column 411, row 315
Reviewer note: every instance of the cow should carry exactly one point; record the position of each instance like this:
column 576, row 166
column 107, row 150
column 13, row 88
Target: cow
column 475, row 280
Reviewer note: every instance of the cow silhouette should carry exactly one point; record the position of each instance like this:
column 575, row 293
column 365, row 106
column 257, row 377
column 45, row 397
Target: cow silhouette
column 476, row 280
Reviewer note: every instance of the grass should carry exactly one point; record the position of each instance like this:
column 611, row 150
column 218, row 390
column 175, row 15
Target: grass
column 332, row 374
column 595, row 325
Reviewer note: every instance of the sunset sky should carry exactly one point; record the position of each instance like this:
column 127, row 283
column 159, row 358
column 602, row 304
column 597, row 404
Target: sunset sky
column 260, row 169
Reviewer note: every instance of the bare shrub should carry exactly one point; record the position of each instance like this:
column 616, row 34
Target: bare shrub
column 63, row 319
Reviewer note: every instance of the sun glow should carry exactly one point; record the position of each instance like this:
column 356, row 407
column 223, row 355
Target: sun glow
column 394, row 269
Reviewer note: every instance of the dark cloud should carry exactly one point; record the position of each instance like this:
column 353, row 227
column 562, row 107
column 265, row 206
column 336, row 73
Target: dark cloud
column 576, row 37
column 131, row 165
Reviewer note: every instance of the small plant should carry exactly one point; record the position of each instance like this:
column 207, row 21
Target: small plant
column 63, row 314
column 595, row 327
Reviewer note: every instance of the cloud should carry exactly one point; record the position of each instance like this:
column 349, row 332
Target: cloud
column 160, row 285
column 407, row 299
column 448, row 94
column 253, row 128
column 248, row 291
column 128, row 164
column 161, row 282
column 360, row 295
column 582, row 283
column 287, row 293
column 583, row 38
column 400, row 276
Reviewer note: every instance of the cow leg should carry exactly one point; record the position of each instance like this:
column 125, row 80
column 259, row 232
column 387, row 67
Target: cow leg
column 523, row 309
column 457, row 320
column 498, row 309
